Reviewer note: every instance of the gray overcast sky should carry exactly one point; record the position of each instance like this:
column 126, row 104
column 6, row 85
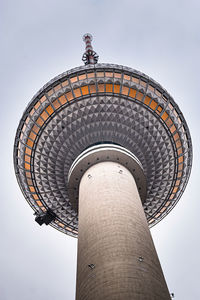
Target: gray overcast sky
column 39, row 40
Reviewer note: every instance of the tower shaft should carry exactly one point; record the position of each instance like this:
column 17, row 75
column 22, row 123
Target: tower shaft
column 116, row 255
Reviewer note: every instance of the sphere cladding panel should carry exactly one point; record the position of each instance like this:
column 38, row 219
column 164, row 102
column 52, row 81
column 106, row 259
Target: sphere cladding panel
column 92, row 104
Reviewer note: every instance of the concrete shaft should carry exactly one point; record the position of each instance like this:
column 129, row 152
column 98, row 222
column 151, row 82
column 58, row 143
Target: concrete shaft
column 116, row 255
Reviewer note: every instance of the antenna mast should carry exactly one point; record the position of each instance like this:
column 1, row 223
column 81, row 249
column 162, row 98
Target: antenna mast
column 90, row 56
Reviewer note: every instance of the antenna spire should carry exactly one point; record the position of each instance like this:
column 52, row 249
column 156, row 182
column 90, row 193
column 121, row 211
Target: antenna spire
column 89, row 56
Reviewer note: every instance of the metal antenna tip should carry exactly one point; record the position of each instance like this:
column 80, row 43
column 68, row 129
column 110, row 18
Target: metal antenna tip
column 87, row 36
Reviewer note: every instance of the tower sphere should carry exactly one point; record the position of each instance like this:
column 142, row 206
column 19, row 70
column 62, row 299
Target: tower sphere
column 101, row 104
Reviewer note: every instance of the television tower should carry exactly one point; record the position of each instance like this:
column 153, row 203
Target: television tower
column 102, row 153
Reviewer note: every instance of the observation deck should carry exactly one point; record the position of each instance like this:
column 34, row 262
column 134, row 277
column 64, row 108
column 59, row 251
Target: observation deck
column 101, row 103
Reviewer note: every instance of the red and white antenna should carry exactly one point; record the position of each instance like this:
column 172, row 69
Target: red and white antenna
column 90, row 56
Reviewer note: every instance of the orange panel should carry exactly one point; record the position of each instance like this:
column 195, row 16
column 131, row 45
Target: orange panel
column 77, row 92
column 136, row 80
column 117, row 75
column 30, row 182
column 159, row 110
column 179, row 174
column 62, row 100
column 176, row 136
column 147, row 100
column 175, row 190
column 167, row 203
column 163, row 209
column 24, row 127
column 29, row 143
column 50, row 92
column 171, row 197
column 35, row 196
column 125, row 90
column 37, row 105
column 28, row 174
column 139, row 96
column 28, row 151
column 151, row 221
column 35, row 128
column 180, row 167
column 44, row 115
column 132, row 93
column 143, row 83
column 32, row 111
column 172, row 129
column 85, row 90
column 90, row 75
column 58, row 87
column 100, row 74
column 127, row 77
column 69, row 96
column 180, row 159
column 32, row 136
column 156, row 216
column 153, row 104
column 180, row 151
column 27, row 120
column 65, row 83
column 116, row 88
column 109, row 88
column 39, row 203
column 27, row 158
column 43, row 99
column 32, row 189
column 49, row 109
column 27, row 166
column 81, row 77
column 101, row 87
column 178, row 144
column 40, row 122
column 169, row 122
column 56, row 104
column 73, row 79
column 164, row 116
column 109, row 74
column 151, row 88
column 92, row 88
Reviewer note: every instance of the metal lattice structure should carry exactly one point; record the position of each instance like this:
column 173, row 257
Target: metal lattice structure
column 94, row 104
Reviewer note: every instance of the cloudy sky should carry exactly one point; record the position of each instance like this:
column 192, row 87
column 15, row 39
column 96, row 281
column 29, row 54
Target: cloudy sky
column 39, row 40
